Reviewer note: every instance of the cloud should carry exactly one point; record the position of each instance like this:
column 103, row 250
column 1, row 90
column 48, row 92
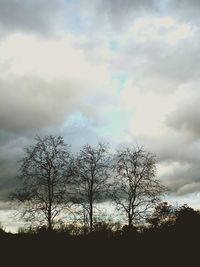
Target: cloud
column 35, row 104
column 189, row 188
column 119, row 12
column 185, row 118
column 8, row 218
column 159, row 54
column 178, row 160
column 167, row 124
column 60, row 58
column 41, row 16
column 183, row 179
column 185, row 10
column 44, row 81
column 191, row 200
column 11, row 150
column 77, row 131
column 151, row 51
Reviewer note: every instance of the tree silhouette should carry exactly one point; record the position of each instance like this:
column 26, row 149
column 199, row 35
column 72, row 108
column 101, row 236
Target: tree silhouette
column 44, row 174
column 136, row 189
column 163, row 215
column 187, row 219
column 91, row 182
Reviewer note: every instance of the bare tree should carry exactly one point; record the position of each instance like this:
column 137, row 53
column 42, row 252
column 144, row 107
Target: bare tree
column 44, row 173
column 136, row 189
column 92, row 168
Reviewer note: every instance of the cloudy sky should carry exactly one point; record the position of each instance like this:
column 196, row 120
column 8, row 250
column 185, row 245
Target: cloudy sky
column 124, row 71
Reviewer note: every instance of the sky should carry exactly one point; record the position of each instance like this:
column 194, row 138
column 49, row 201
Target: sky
column 120, row 71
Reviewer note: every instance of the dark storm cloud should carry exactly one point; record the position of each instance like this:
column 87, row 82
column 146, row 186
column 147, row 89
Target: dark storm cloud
column 186, row 118
column 180, row 157
column 31, row 103
column 184, row 180
column 29, row 15
column 12, row 149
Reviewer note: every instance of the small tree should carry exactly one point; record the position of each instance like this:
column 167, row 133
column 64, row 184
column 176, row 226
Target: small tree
column 92, row 168
column 162, row 216
column 136, row 189
column 44, row 173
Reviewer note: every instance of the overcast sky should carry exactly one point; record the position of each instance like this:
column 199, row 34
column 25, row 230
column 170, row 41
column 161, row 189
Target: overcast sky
column 124, row 71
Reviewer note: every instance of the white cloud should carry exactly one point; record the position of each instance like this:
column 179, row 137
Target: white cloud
column 164, row 29
column 150, row 109
column 49, row 59
column 44, row 80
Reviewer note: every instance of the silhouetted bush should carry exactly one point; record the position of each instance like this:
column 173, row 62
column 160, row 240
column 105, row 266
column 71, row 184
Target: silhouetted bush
column 187, row 220
column 2, row 230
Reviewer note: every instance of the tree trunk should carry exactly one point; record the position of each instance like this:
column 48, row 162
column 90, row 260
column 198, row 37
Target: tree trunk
column 91, row 214
column 130, row 221
column 49, row 220
column 49, row 208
